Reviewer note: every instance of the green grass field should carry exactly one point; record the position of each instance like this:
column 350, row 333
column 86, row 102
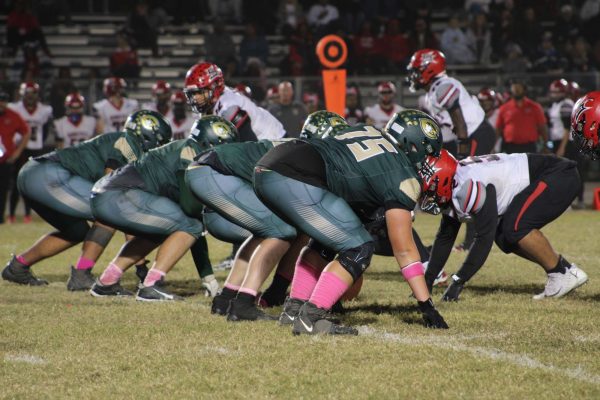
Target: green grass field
column 501, row 344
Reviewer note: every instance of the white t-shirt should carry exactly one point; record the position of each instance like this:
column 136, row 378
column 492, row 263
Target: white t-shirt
column 509, row 173
column 35, row 120
column 264, row 124
column 114, row 118
column 72, row 134
column 557, row 111
column 379, row 116
column 444, row 93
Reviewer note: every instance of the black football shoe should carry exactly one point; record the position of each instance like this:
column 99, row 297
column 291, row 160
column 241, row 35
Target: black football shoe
column 21, row 274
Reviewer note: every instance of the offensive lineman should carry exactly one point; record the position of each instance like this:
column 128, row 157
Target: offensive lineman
column 509, row 198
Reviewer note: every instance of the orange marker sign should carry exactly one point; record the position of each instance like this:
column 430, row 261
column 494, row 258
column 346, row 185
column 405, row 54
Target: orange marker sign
column 332, row 52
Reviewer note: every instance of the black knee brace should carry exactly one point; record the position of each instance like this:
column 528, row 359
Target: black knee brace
column 76, row 232
column 99, row 235
column 326, row 253
column 357, row 260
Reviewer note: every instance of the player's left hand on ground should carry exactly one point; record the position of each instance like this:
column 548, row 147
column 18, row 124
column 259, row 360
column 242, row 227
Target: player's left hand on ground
column 431, row 316
column 453, row 291
column 211, row 288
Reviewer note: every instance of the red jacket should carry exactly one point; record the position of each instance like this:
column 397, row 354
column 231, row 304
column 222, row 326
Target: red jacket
column 11, row 123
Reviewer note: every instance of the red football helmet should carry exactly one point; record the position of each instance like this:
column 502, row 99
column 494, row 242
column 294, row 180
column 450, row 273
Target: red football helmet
column 574, row 90
column 29, row 88
column 160, row 88
column 74, row 102
column 437, row 174
column 113, row 86
column 386, row 87
column 244, row 89
column 559, row 89
column 207, row 79
column 178, row 97
column 585, row 124
column 489, row 99
column 425, row 65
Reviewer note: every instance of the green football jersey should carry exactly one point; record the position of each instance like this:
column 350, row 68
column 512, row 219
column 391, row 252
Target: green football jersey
column 90, row 158
column 367, row 170
column 161, row 168
column 239, row 159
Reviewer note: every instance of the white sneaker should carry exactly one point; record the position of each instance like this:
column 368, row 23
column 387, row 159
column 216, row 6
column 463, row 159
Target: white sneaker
column 559, row 284
column 440, row 279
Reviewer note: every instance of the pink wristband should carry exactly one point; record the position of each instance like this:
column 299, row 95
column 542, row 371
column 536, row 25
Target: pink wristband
column 412, row 270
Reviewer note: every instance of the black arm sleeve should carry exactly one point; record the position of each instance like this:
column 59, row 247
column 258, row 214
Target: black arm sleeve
column 485, row 222
column 442, row 246
column 241, row 120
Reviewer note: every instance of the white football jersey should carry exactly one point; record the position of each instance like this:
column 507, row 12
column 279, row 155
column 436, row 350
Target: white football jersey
column 114, row 118
column 442, row 118
column 72, row 134
column 264, row 124
column 557, row 111
column 152, row 107
column 509, row 173
column 444, row 92
column 35, row 120
column 379, row 116
column 181, row 129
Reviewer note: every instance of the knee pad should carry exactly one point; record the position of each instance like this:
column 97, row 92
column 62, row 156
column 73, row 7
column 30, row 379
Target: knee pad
column 357, row 259
column 325, row 252
column 99, row 235
column 76, row 232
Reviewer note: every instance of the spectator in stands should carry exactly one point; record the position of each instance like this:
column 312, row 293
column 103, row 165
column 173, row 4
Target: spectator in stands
column 23, row 27
column 580, row 59
column 567, row 27
column 514, row 63
column 528, row 33
column 61, row 87
column 549, row 59
column 521, row 122
column 422, row 37
column 124, row 61
column 379, row 114
column 289, row 112
column 290, row 14
column 226, row 10
column 366, row 58
column 253, row 45
column 393, row 47
column 321, row 16
column 353, row 113
column 139, row 27
column 479, row 35
column 455, row 43
column 219, row 45
column 311, row 102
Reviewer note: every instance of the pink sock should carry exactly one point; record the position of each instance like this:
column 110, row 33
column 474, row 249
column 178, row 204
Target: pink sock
column 153, row 276
column 329, row 289
column 233, row 287
column 111, row 275
column 85, row 263
column 305, row 280
column 22, row 261
column 248, row 291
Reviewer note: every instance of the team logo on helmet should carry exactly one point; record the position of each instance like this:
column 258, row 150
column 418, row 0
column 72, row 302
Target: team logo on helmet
column 221, row 129
column 149, row 122
column 429, row 128
column 335, row 121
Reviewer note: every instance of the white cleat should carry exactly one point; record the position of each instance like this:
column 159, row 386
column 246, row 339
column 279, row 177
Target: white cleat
column 559, row 284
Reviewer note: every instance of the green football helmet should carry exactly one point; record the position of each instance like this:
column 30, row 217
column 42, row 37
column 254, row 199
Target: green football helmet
column 212, row 130
column 149, row 128
column 415, row 133
column 322, row 124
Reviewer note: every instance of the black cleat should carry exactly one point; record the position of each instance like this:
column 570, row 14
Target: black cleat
column 291, row 309
column 80, row 279
column 240, row 310
column 220, row 304
column 155, row 293
column 312, row 320
column 114, row 290
column 21, row 274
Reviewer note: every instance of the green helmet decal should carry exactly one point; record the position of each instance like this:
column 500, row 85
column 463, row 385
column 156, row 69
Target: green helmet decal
column 212, row 130
column 150, row 128
column 322, row 124
column 416, row 133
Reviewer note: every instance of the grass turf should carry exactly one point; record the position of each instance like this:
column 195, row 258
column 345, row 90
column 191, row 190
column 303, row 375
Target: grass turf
column 502, row 344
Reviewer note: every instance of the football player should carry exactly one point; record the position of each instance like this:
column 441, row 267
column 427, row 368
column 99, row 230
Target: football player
column 585, row 124
column 38, row 117
column 207, row 94
column 74, row 127
column 150, row 205
column 317, row 184
column 181, row 120
column 353, row 112
column 222, row 180
column 112, row 111
column 427, row 71
column 509, row 198
column 161, row 93
column 58, row 185
column 489, row 101
column 379, row 114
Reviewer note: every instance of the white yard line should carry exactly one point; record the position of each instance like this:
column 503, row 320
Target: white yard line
column 24, row 358
column 449, row 343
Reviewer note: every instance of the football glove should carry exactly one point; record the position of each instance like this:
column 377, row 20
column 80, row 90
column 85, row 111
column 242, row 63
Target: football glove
column 431, row 316
column 453, row 291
